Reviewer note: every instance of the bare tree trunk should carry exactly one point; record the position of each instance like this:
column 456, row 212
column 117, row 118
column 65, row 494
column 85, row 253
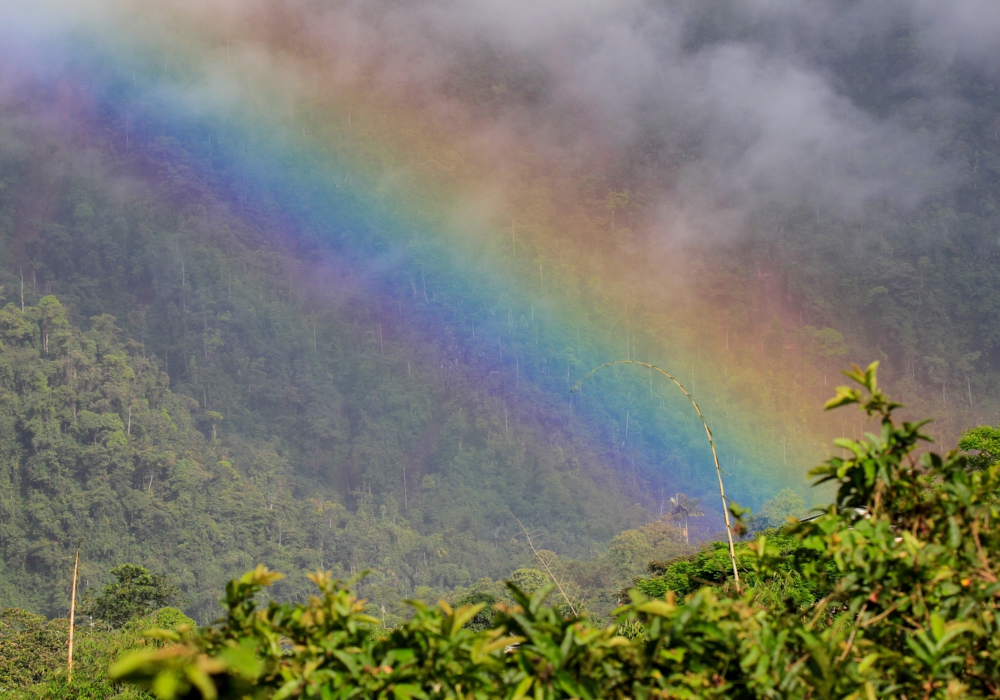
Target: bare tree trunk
column 546, row 565
column 711, row 442
column 72, row 616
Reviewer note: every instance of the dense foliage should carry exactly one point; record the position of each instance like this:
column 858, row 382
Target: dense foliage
column 983, row 442
column 315, row 382
column 33, row 654
column 232, row 411
column 191, row 382
column 95, row 445
column 904, row 607
column 134, row 593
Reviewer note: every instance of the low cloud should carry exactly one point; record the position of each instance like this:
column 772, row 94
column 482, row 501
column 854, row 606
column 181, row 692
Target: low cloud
column 723, row 106
column 736, row 107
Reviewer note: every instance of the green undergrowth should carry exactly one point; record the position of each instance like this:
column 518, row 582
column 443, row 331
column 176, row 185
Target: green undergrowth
column 33, row 654
column 889, row 592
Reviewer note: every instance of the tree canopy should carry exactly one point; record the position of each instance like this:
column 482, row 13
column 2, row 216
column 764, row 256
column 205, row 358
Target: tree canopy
column 135, row 592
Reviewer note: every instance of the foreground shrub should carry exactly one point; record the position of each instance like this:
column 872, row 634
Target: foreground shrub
column 891, row 593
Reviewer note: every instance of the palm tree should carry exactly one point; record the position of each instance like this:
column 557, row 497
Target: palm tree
column 683, row 508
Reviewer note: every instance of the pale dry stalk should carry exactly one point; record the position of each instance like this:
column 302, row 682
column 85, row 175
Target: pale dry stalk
column 711, row 442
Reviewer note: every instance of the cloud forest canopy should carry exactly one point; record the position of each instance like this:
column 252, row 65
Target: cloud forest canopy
column 309, row 282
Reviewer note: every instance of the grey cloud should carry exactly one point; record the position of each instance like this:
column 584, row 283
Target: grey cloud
column 757, row 91
column 750, row 89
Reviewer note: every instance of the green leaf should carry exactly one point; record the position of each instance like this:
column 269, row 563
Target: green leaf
column 242, row 659
column 867, row 662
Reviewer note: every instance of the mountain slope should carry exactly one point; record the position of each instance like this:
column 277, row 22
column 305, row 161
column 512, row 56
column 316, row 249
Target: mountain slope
column 253, row 414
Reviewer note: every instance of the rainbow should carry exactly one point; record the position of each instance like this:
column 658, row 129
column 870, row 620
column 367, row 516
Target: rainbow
column 470, row 230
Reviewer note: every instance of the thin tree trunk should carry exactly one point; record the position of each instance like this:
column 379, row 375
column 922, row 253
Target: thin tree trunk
column 72, row 616
column 547, row 569
column 711, row 442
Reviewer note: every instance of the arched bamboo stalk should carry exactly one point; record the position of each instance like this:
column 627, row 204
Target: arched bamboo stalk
column 711, row 442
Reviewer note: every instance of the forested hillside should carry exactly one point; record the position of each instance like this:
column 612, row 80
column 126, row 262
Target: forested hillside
column 270, row 295
column 205, row 407
column 97, row 448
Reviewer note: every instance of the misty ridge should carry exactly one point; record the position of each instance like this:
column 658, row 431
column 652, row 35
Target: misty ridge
column 716, row 122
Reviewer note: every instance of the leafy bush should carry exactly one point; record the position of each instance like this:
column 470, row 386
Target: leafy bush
column 172, row 619
column 778, row 586
column 486, row 617
column 902, row 604
column 30, row 645
column 135, row 593
column 33, row 657
column 984, row 440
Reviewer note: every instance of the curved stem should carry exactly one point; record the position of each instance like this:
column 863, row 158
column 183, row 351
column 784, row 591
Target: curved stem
column 711, row 442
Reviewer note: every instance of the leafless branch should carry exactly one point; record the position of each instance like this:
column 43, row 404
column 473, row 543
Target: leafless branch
column 545, row 564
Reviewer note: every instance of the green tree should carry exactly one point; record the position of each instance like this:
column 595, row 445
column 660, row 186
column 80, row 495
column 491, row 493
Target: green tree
column 983, row 442
column 30, row 646
column 529, row 580
column 135, row 593
column 776, row 511
column 486, row 616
